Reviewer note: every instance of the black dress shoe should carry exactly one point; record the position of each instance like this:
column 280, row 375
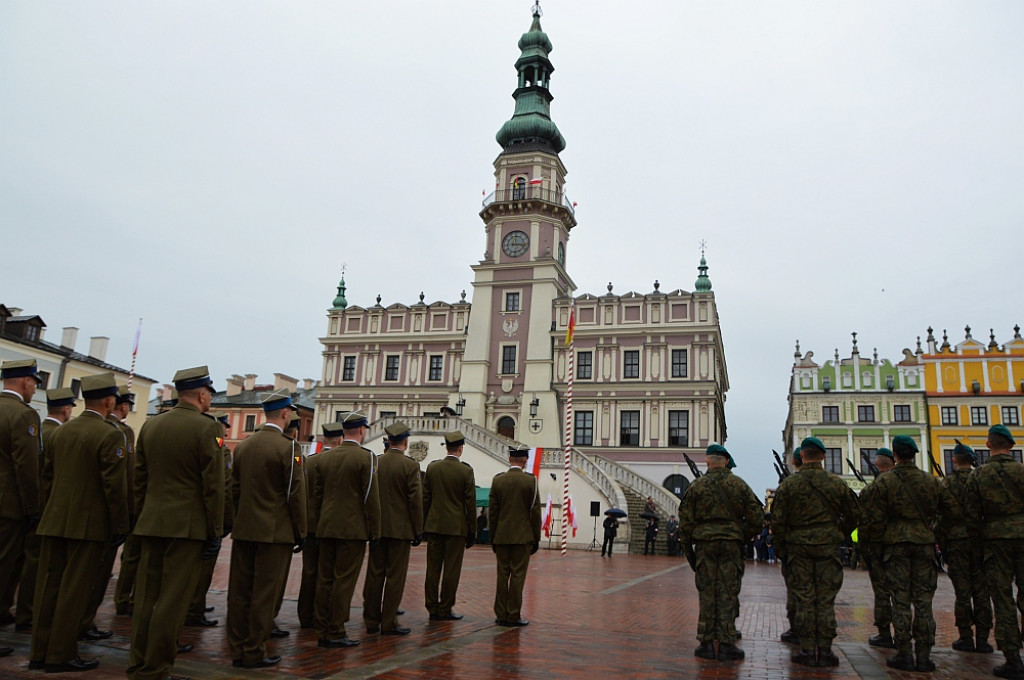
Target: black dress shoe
column 7, row 651
column 95, row 634
column 265, row 662
column 372, row 631
column 400, row 612
column 74, row 666
column 34, row 665
column 208, row 609
column 397, row 630
column 804, row 658
column 336, row 643
column 236, row 663
column 727, row 652
column 278, row 633
column 790, row 637
column 518, row 622
column 450, row 616
column 201, row 622
column 6, row 618
column 903, row 662
column 185, row 649
column 178, row 677
column 23, row 627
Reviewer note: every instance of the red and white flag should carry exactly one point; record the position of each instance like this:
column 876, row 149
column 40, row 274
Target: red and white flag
column 536, row 180
column 547, row 518
column 571, row 514
column 533, row 462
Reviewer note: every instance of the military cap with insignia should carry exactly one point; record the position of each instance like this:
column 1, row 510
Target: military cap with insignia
column 519, row 451
column 60, row 396
column 125, row 396
column 355, row 419
column 277, row 400
column 885, row 452
column 332, row 429
column 454, row 438
column 20, row 368
column 904, row 443
column 1002, row 431
column 221, row 417
column 397, row 431
column 193, row 379
column 99, row 386
column 812, row 443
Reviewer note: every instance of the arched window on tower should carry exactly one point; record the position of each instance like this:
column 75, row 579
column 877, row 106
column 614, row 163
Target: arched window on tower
column 518, row 188
column 507, row 427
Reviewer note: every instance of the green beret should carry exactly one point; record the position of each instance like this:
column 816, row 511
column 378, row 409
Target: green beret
column 904, row 441
column 20, row 368
column 885, row 452
column 454, row 438
column 397, row 431
column 193, row 379
column 60, row 396
column 1003, row 431
column 99, row 386
column 798, row 459
column 965, row 451
column 716, row 450
column 812, row 443
column 332, row 429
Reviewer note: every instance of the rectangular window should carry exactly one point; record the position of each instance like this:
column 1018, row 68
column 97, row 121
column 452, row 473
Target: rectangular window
column 387, row 414
column 250, row 423
column 865, row 414
column 339, row 416
column 901, row 413
column 865, row 456
column 629, row 428
column 583, row 425
column 833, row 461
column 512, row 302
column 830, row 414
column 348, row 371
column 1011, row 416
column 1016, row 455
column 436, row 367
column 76, row 386
column 947, row 461
column 678, row 428
column 979, row 415
column 508, row 359
column 391, row 368
column 585, row 365
column 982, row 455
column 949, row 416
column 679, row 367
column 44, row 377
column 631, row 363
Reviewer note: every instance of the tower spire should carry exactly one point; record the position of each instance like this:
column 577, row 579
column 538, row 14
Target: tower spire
column 703, row 283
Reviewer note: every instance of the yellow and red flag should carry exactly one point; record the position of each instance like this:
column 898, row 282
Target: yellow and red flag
column 572, row 326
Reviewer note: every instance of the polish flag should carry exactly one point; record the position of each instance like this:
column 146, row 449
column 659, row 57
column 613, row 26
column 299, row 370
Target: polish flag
column 315, row 447
column 571, row 514
column 547, row 518
column 533, row 462
column 536, row 180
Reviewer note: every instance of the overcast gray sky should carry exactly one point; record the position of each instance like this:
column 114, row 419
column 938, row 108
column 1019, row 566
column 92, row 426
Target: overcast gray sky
column 208, row 166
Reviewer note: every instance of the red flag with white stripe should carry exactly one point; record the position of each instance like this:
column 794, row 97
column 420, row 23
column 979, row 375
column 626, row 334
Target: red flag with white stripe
column 547, row 518
column 533, row 462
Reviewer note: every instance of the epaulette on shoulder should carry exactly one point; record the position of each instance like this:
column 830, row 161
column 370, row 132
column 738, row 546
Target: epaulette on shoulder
column 466, row 464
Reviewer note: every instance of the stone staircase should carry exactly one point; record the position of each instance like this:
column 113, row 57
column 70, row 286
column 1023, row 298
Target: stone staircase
column 637, row 524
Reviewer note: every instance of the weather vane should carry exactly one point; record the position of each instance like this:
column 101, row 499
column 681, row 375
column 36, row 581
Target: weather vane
column 344, row 266
column 537, row 11
column 703, row 246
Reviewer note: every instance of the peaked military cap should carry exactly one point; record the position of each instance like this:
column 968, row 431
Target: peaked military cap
column 798, row 458
column 174, row 397
column 296, row 419
column 397, row 431
column 193, row 379
column 519, row 451
column 277, row 400
column 20, row 368
column 812, row 443
column 1003, row 431
column 454, row 438
column 99, row 386
column 60, row 396
column 355, row 419
column 885, row 452
column 904, row 441
column 221, row 417
column 965, row 451
column 332, row 429
column 124, row 396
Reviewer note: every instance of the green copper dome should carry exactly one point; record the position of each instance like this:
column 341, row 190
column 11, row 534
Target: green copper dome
column 703, row 284
column 531, row 122
column 340, row 302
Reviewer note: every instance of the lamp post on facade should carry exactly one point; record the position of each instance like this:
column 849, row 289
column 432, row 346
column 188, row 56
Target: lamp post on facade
column 459, row 405
column 533, row 407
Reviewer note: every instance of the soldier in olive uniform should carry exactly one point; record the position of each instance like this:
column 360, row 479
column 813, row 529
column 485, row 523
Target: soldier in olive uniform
column 907, row 505
column 179, row 499
column 962, row 549
column 789, row 636
column 871, row 547
column 19, row 475
column 332, row 433
column 449, row 502
column 401, row 527
column 59, row 404
column 995, row 503
column 197, row 609
column 270, row 521
column 513, row 513
column 86, row 514
column 123, row 590
column 348, row 507
column 719, row 513
column 813, row 513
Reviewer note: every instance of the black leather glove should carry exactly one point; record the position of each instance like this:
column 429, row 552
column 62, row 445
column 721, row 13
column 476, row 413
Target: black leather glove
column 211, row 547
column 31, row 521
column 470, row 542
column 417, row 540
column 535, row 547
column 300, row 543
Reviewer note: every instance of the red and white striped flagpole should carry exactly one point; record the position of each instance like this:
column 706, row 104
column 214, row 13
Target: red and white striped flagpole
column 568, row 427
column 135, row 351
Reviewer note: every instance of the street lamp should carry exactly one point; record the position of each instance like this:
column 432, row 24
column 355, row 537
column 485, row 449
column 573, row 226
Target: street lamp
column 458, row 405
column 533, row 407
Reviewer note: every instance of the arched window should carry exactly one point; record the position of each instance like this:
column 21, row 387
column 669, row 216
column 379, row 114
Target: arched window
column 677, row 484
column 507, row 427
column 518, row 188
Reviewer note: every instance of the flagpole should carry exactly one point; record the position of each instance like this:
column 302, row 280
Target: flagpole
column 568, row 428
column 135, row 351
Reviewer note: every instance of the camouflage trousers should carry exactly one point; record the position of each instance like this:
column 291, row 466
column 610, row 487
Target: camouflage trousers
column 815, row 577
column 912, row 576
column 790, row 599
column 1004, row 564
column 872, row 553
column 973, row 605
column 718, row 577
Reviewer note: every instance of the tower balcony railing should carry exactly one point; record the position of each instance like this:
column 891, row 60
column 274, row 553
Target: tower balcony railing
column 531, row 193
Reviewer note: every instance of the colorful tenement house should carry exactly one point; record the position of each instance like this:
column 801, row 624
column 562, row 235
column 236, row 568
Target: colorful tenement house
column 970, row 387
column 650, row 367
column 856, row 405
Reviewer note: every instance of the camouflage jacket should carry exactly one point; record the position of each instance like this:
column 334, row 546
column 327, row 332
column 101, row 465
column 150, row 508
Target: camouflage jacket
column 813, row 507
column 956, row 484
column 995, row 498
column 868, row 535
column 719, row 507
column 907, row 505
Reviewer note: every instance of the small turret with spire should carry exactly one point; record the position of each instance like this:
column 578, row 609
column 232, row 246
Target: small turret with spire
column 339, row 300
column 703, row 283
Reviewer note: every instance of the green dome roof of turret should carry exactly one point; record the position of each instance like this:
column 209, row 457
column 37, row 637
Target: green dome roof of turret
column 703, row 284
column 339, row 301
column 535, row 41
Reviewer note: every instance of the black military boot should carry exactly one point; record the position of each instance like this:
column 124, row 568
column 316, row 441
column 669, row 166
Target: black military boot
column 790, row 637
column 804, row 657
column 705, row 651
column 727, row 652
column 1013, row 668
column 923, row 662
column 982, row 646
column 966, row 641
column 883, row 639
column 826, row 657
column 903, row 660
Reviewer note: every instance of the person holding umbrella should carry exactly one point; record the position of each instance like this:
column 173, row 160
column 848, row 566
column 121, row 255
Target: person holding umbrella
column 611, row 529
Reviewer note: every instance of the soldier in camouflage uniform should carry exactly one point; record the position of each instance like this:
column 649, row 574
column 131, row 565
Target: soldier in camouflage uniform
column 963, row 553
column 813, row 513
column 871, row 549
column 907, row 505
column 995, row 502
column 718, row 513
column 789, row 636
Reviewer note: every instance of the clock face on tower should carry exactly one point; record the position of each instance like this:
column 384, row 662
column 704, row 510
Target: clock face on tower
column 515, row 243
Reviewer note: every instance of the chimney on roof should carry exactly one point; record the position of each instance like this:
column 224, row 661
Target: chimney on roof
column 69, row 337
column 15, row 311
column 98, row 347
column 250, row 382
column 165, row 392
column 285, row 382
column 308, row 383
column 235, row 385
